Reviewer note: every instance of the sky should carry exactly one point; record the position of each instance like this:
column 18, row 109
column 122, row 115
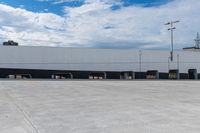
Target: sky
column 137, row 24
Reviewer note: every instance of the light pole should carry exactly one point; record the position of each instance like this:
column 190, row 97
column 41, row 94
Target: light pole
column 168, row 63
column 140, row 60
column 178, row 61
column 172, row 28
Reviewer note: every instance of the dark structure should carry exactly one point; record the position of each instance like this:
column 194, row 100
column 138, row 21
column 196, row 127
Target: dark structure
column 10, row 43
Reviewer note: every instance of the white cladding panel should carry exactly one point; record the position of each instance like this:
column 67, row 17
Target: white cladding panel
column 57, row 58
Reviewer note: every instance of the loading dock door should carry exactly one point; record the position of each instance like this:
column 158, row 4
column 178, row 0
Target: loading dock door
column 192, row 73
column 174, row 74
column 152, row 74
column 19, row 76
column 97, row 75
column 62, row 76
column 127, row 75
column 140, row 75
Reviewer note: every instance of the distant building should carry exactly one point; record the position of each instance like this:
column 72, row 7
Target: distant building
column 91, row 63
column 10, row 43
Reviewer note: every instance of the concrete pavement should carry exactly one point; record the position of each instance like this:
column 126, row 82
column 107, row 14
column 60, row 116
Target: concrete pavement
column 99, row 106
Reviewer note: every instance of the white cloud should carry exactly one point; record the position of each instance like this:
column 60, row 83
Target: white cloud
column 24, row 26
column 63, row 1
column 94, row 24
column 137, row 26
column 86, row 1
column 59, row 1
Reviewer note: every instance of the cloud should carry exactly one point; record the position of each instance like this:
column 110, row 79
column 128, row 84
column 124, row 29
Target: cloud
column 28, row 27
column 95, row 24
column 140, row 27
column 60, row 1
column 64, row 1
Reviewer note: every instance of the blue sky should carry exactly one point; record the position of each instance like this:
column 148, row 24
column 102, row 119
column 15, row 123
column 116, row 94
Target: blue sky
column 135, row 24
column 57, row 8
column 45, row 6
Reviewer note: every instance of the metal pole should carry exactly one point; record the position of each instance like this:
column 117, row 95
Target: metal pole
column 168, row 63
column 172, row 42
column 172, row 37
column 140, row 60
column 178, row 61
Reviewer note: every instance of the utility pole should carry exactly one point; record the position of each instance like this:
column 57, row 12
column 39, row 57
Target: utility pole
column 172, row 28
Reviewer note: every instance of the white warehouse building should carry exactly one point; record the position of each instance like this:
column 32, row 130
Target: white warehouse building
column 83, row 63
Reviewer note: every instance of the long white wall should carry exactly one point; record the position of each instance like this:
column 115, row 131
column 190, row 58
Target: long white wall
column 55, row 58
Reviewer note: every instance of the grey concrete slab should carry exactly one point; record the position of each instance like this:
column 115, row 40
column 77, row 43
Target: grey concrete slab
column 99, row 106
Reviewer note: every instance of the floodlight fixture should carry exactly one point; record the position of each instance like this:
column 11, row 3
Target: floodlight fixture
column 172, row 28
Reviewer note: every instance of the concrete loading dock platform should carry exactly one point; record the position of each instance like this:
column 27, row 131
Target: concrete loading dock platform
column 99, row 106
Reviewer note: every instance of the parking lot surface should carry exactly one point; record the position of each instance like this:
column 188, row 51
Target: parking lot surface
column 99, row 106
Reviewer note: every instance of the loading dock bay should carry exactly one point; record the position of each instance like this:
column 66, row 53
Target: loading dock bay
column 173, row 74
